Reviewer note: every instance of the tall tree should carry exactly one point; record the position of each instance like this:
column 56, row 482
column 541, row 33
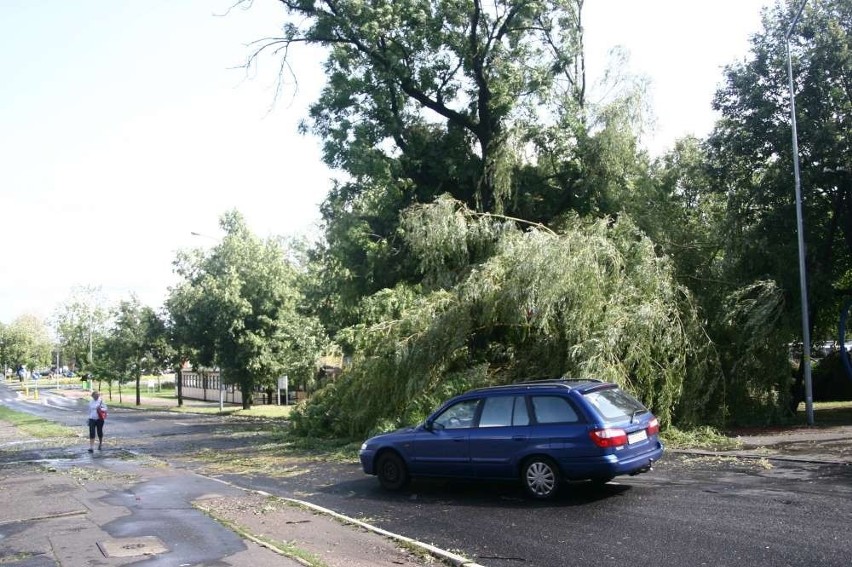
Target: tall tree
column 484, row 101
column 135, row 345
column 753, row 160
column 239, row 308
column 26, row 342
column 81, row 322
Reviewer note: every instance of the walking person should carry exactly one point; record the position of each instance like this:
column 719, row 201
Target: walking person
column 97, row 414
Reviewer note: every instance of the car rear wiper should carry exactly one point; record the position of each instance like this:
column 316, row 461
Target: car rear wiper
column 635, row 413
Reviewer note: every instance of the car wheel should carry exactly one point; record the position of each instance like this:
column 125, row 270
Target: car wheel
column 541, row 478
column 391, row 471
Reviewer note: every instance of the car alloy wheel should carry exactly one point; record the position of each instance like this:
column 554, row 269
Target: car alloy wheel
column 541, row 478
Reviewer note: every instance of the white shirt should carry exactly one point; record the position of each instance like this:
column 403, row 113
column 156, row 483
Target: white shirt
column 93, row 407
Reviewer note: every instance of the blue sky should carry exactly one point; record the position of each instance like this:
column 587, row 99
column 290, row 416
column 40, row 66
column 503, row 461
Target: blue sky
column 126, row 125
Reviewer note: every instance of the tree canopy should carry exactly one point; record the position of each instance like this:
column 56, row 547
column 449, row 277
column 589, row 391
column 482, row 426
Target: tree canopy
column 399, row 68
column 238, row 308
column 750, row 170
column 25, row 342
column 136, row 345
column 752, row 154
column 81, row 323
column 484, row 101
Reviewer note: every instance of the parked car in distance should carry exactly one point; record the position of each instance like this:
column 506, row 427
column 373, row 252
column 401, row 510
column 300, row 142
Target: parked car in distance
column 541, row 433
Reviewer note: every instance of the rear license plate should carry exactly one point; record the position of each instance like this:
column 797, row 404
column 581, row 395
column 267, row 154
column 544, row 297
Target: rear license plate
column 636, row 437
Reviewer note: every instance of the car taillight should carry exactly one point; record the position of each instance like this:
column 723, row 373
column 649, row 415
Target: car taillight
column 653, row 427
column 609, row 437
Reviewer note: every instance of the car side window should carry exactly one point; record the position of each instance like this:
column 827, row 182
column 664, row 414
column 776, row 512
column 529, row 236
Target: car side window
column 503, row 411
column 457, row 416
column 520, row 415
column 553, row 409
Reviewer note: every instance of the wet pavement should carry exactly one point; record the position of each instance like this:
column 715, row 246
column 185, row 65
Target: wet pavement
column 115, row 512
column 116, row 508
column 60, row 505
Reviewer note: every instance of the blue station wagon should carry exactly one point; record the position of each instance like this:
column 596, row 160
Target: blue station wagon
column 541, row 433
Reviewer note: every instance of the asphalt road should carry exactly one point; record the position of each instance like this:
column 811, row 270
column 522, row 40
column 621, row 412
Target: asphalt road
column 688, row 511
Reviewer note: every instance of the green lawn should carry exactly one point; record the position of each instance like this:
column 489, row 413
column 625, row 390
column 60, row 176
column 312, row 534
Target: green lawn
column 827, row 413
column 166, row 398
column 129, row 391
column 267, row 412
column 35, row 426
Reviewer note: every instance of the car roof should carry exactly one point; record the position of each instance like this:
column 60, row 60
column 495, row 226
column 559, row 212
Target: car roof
column 583, row 385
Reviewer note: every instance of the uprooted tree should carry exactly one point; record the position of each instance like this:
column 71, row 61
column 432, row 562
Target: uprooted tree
column 499, row 304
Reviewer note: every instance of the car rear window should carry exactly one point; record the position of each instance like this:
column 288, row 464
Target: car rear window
column 553, row 409
column 614, row 404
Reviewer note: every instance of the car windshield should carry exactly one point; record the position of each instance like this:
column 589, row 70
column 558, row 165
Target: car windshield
column 614, row 404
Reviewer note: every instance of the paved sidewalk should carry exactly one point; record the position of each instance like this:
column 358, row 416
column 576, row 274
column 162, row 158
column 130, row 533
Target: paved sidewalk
column 51, row 517
column 113, row 509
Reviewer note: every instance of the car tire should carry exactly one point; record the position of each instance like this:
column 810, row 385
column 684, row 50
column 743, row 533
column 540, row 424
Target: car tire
column 541, row 478
column 391, row 470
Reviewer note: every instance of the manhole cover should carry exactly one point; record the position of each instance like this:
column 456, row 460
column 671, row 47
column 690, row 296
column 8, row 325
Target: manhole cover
column 132, row 546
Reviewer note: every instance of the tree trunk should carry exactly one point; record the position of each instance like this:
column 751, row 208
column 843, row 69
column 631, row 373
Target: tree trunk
column 179, row 385
column 138, row 388
column 246, row 391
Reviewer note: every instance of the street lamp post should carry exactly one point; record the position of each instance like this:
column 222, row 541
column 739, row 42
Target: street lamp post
column 201, row 235
column 806, row 332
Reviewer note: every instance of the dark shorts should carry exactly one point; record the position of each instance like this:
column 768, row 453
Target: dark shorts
column 96, row 426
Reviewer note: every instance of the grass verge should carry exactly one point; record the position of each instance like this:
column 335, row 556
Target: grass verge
column 35, row 426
